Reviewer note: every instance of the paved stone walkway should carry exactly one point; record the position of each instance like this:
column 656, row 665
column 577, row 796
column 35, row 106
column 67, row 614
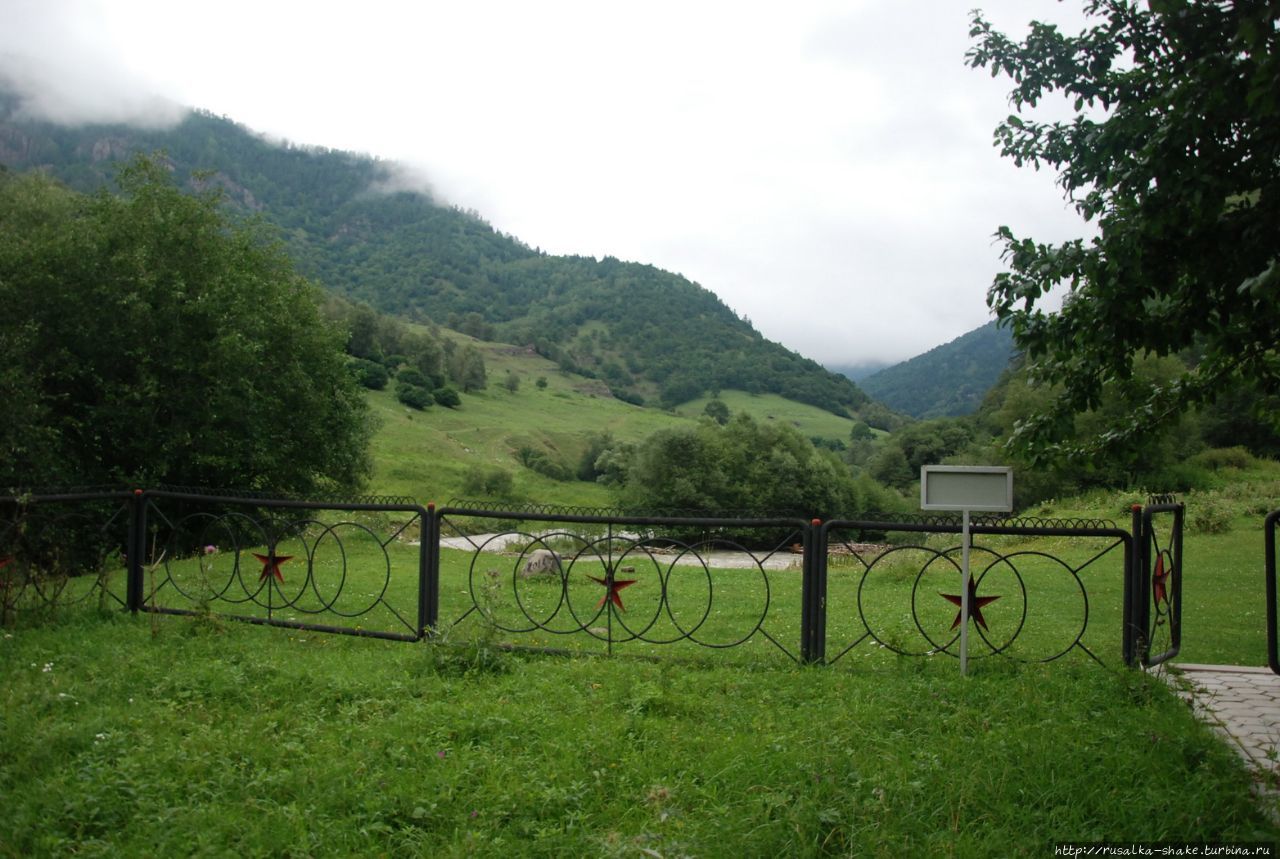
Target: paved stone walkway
column 1242, row 704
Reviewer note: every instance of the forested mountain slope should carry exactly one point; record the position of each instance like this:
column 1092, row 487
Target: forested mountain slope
column 948, row 380
column 649, row 334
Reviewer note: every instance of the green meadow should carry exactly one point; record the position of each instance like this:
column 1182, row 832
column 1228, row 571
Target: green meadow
column 426, row 454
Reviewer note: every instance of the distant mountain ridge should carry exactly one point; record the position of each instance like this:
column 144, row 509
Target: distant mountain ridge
column 947, row 381
column 648, row 334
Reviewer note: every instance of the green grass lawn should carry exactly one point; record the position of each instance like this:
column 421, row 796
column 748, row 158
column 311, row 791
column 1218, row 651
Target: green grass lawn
column 177, row 736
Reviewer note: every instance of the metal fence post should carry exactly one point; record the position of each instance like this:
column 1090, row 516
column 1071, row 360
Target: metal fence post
column 1134, row 591
column 428, row 573
column 813, row 596
column 819, row 551
column 137, row 543
column 1269, row 534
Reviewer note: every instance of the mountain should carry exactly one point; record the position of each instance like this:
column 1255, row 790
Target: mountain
column 346, row 219
column 858, row 372
column 948, row 380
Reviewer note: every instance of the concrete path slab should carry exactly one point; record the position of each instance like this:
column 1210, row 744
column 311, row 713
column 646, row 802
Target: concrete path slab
column 1243, row 704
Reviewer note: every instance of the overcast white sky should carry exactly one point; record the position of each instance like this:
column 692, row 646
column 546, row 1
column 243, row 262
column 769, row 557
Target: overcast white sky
column 825, row 167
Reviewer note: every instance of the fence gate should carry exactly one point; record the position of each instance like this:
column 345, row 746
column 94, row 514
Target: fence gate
column 1040, row 589
column 1157, row 596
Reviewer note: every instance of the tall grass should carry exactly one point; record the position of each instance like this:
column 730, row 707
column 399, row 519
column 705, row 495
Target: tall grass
column 205, row 738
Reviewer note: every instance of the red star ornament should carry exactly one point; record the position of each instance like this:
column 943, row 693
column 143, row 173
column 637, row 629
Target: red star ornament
column 975, row 604
column 1160, row 580
column 611, row 594
column 271, row 565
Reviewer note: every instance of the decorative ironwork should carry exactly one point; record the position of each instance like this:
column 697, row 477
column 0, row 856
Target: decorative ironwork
column 975, row 604
column 711, row 581
column 547, row 582
column 943, row 522
column 274, row 497
column 63, row 549
column 202, row 545
column 1027, row 605
column 1160, row 606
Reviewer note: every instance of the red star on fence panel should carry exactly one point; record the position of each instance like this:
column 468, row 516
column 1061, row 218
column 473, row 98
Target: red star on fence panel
column 1160, row 580
column 611, row 595
column 975, row 604
column 271, row 565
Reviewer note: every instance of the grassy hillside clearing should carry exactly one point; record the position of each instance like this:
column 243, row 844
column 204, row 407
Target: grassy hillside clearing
column 425, row 454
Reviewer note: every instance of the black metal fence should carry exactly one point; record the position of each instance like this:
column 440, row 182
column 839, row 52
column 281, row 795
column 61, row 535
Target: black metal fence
column 604, row 581
column 1269, row 534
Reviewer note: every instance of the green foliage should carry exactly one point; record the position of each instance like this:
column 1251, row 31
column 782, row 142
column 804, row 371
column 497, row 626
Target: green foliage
column 481, row 481
column 412, row 376
column 861, row 432
column 413, row 396
column 881, row 417
column 1181, row 177
column 897, row 463
column 447, row 397
column 1221, row 458
column 511, row 382
column 1209, row 515
column 1157, row 459
column 743, row 467
column 542, row 462
column 717, row 411
column 948, row 380
column 467, row 369
column 147, row 339
column 369, row 374
column 589, row 465
column 890, row 467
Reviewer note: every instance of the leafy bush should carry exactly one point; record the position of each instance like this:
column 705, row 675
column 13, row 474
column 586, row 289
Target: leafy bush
column 413, row 396
column 368, row 374
column 1219, row 458
column 482, row 481
column 542, row 462
column 413, row 376
column 1207, row 513
column 759, row 469
column 447, row 397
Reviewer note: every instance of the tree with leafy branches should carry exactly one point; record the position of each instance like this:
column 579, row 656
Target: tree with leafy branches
column 1173, row 153
column 148, row 339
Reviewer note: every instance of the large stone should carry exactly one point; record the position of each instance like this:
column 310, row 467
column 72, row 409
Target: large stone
column 542, row 562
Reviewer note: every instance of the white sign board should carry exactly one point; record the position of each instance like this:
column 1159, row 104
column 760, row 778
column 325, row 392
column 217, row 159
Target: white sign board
column 979, row 488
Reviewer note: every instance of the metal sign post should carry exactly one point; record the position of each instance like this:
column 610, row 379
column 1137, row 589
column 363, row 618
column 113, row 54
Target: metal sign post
column 967, row 488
